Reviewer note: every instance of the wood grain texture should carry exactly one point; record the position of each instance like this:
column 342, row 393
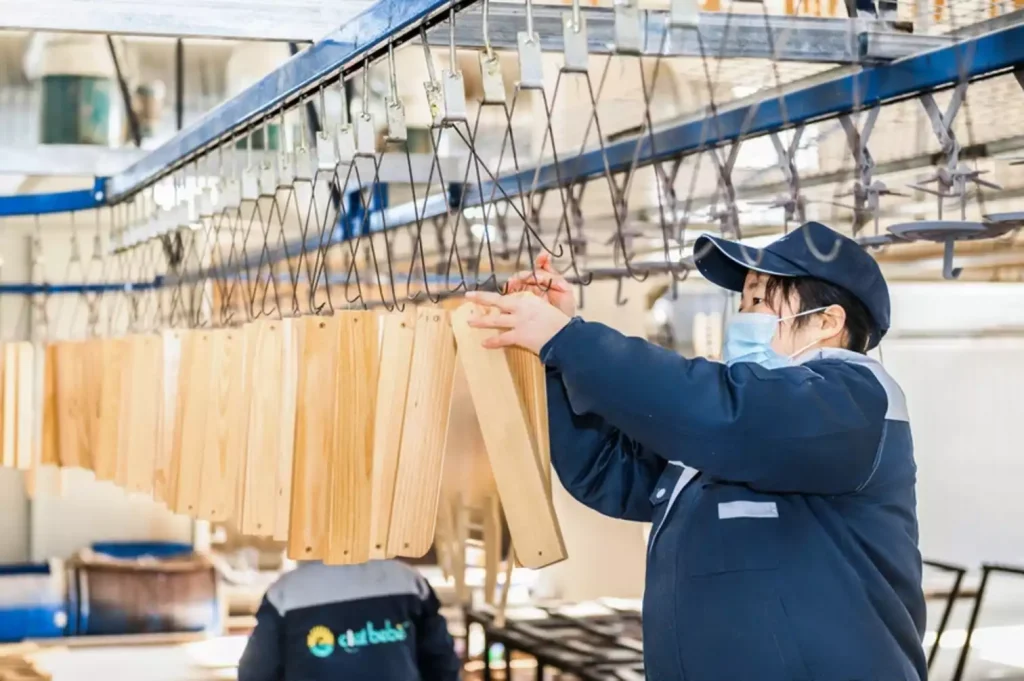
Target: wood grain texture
column 397, row 339
column 266, row 349
column 25, row 441
column 145, row 374
column 424, row 434
column 50, row 445
column 226, row 427
column 72, row 409
column 286, row 436
column 191, row 413
column 112, row 362
column 166, row 460
column 531, row 385
column 352, row 457
column 7, row 410
column 517, row 472
column 314, row 437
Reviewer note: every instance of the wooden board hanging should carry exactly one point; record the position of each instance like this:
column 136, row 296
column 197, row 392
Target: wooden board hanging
column 314, row 437
column 8, row 404
column 286, row 437
column 50, row 445
column 72, row 409
column 166, row 456
column 112, row 360
column 226, row 427
column 397, row 339
column 26, row 423
column 271, row 427
column 506, row 430
column 531, row 384
column 348, row 538
column 198, row 363
column 144, row 369
column 424, row 433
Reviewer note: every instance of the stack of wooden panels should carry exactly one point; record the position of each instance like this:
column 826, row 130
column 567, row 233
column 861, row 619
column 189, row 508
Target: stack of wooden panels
column 328, row 432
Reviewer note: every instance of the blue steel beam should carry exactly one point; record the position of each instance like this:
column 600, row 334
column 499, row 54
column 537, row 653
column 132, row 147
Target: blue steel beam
column 54, row 202
column 972, row 59
column 365, row 37
column 107, row 287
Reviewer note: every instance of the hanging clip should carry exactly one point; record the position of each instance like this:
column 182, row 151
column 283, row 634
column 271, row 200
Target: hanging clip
column 628, row 29
column 326, row 149
column 301, row 158
column 366, row 133
column 454, row 88
column 345, row 136
column 684, row 14
column 267, row 172
column 490, row 66
column 397, row 130
column 284, row 162
column 531, row 59
column 574, row 39
column 432, row 86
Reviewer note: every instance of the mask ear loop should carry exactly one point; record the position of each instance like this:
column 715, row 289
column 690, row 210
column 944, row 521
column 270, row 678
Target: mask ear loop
column 807, row 347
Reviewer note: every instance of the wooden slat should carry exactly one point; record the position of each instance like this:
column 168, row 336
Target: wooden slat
column 72, row 410
column 112, row 354
column 352, row 457
column 166, row 460
column 7, row 416
column 26, row 438
column 399, row 331
column 286, row 436
column 531, row 385
column 517, row 472
column 126, row 413
column 145, row 373
column 197, row 364
column 266, row 347
column 226, row 427
column 50, row 446
column 314, row 437
column 492, row 548
column 424, row 433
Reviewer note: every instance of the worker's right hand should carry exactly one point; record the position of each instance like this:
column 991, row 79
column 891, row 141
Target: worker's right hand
column 543, row 280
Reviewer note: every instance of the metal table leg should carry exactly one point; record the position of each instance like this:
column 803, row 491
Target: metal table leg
column 965, row 651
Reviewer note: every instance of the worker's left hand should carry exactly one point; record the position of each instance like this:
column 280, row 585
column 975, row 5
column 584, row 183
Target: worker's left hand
column 526, row 321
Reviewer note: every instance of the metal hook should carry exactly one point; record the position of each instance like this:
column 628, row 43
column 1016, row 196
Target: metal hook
column 948, row 271
column 619, row 299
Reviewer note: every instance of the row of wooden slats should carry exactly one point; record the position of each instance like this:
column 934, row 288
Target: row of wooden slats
column 329, row 432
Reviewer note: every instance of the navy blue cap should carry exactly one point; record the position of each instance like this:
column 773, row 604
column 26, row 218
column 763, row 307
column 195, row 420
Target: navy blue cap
column 812, row 250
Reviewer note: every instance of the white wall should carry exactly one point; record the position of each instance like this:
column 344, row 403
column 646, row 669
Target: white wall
column 954, row 352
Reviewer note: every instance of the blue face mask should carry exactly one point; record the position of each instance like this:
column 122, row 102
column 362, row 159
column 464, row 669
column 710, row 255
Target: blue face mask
column 748, row 338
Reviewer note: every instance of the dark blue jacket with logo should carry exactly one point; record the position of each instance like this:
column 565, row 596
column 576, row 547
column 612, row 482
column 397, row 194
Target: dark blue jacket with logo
column 784, row 540
column 373, row 622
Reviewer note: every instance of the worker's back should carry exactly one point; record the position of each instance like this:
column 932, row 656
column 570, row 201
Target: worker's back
column 374, row 621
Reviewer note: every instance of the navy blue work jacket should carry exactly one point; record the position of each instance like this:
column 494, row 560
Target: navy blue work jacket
column 784, row 540
column 378, row 621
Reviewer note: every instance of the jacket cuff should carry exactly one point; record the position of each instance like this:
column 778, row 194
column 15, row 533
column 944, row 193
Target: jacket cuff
column 556, row 349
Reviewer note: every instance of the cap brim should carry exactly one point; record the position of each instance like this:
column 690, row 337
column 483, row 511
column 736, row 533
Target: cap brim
column 726, row 263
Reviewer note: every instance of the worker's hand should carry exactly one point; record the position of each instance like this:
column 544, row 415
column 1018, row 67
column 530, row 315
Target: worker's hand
column 526, row 321
column 543, row 280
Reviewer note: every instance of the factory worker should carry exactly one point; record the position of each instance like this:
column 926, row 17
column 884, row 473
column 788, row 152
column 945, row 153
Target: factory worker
column 378, row 621
column 780, row 482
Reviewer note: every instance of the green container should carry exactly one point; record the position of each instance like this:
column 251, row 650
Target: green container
column 79, row 110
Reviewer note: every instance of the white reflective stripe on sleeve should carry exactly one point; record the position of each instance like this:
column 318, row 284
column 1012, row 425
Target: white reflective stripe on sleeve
column 685, row 477
column 747, row 509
